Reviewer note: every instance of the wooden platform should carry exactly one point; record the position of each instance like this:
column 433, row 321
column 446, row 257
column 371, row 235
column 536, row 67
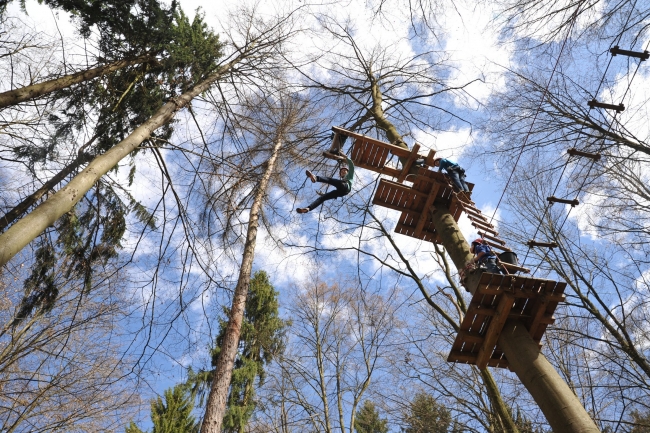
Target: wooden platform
column 497, row 299
column 372, row 154
column 415, row 202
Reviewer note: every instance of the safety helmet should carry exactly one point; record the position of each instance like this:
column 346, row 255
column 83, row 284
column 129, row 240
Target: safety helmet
column 436, row 160
column 477, row 241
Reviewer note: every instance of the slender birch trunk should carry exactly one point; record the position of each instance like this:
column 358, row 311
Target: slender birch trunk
column 43, row 216
column 216, row 405
column 17, row 96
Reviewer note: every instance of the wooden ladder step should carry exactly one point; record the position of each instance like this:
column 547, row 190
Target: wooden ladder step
column 553, row 199
column 639, row 55
column 533, row 243
column 576, row 152
column 595, row 104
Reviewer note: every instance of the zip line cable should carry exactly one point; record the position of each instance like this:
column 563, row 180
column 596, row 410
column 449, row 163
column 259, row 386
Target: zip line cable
column 539, row 107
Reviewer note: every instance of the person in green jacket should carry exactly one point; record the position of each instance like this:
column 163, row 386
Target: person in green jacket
column 343, row 186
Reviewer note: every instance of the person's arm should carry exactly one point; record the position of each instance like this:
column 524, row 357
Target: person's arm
column 478, row 256
column 350, row 174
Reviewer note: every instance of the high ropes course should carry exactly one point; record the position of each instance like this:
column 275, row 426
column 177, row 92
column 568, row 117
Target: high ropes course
column 497, row 297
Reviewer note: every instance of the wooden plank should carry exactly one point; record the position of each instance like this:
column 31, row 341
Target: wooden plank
column 395, row 150
column 485, row 225
column 470, row 337
column 538, row 310
column 389, row 171
column 424, row 216
column 409, row 162
column 430, row 157
column 494, row 330
column 492, row 238
column 474, row 216
column 485, row 311
column 552, row 297
column 515, row 268
column 471, row 210
column 497, row 246
column 458, row 356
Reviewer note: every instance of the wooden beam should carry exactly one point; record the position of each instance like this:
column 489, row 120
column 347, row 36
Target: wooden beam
column 430, row 157
column 494, row 330
column 533, row 243
column 486, row 226
column 539, row 308
column 639, row 55
column 514, row 268
column 492, row 238
column 489, row 311
column 470, row 337
column 553, row 199
column 424, row 216
column 519, row 293
column 395, row 150
column 470, row 358
column 595, row 104
column 408, row 163
column 393, row 172
column 576, row 152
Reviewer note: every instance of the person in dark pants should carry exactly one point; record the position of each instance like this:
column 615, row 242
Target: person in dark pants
column 343, row 186
column 484, row 256
column 454, row 171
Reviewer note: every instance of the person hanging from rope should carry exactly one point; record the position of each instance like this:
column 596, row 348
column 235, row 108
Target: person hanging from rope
column 484, row 256
column 343, row 186
column 455, row 173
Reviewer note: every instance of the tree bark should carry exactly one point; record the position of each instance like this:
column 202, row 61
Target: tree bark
column 560, row 405
column 17, row 96
column 217, row 399
column 43, row 216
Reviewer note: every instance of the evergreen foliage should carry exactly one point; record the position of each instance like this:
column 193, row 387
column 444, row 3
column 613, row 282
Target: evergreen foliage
column 173, row 415
column 181, row 54
column 426, row 415
column 367, row 420
column 261, row 340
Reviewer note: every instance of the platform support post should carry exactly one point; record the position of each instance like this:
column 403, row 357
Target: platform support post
column 561, row 407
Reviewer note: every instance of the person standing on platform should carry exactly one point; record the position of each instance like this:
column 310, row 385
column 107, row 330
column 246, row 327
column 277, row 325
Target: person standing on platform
column 343, row 186
column 455, row 173
column 484, row 256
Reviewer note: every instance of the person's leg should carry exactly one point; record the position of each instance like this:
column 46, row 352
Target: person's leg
column 323, row 198
column 491, row 265
column 453, row 175
column 461, row 177
column 338, row 183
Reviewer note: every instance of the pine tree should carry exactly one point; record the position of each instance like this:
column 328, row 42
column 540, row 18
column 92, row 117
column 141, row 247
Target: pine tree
column 173, row 415
column 367, row 420
column 261, row 340
column 426, row 415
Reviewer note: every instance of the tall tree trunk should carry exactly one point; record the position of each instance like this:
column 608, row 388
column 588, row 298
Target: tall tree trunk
column 216, row 405
column 17, row 96
column 33, row 224
column 30, row 200
column 560, row 405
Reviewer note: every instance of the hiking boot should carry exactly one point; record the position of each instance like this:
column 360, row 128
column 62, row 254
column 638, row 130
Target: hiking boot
column 311, row 176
